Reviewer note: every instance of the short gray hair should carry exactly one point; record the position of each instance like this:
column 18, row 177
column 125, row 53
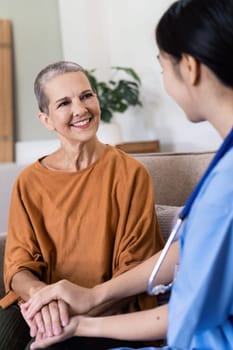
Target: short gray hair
column 51, row 71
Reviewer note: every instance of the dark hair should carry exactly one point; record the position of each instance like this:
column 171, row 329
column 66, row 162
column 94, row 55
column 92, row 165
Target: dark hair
column 202, row 29
column 51, row 71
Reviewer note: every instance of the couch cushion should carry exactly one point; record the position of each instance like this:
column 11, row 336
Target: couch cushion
column 167, row 216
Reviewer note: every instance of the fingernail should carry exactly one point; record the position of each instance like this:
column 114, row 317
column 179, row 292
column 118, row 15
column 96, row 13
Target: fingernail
column 49, row 333
column 64, row 322
column 57, row 330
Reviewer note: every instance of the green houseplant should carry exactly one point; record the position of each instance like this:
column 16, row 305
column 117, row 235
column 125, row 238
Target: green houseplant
column 116, row 95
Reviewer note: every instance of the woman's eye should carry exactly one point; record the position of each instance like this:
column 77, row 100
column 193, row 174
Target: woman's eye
column 86, row 96
column 63, row 103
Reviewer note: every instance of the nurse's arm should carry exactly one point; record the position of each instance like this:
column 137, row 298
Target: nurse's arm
column 138, row 326
column 135, row 281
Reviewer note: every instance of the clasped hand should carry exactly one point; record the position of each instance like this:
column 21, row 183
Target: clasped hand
column 50, row 312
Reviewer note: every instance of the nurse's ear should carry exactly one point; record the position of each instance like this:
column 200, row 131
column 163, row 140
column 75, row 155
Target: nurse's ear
column 46, row 121
column 190, row 69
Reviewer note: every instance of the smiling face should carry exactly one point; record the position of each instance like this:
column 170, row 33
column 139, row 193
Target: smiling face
column 73, row 109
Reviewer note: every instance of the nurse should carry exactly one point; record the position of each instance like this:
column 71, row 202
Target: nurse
column 195, row 40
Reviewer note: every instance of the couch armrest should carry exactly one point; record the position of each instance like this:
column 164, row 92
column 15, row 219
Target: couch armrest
column 2, row 248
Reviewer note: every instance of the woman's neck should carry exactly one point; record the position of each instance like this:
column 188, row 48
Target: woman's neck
column 222, row 115
column 216, row 103
column 73, row 157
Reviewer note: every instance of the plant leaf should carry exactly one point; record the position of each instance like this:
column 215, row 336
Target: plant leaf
column 129, row 71
column 116, row 95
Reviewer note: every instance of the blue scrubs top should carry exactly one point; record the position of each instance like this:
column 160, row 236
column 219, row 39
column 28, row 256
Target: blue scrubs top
column 201, row 303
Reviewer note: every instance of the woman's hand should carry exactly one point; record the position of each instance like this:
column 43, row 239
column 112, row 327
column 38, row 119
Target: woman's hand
column 79, row 299
column 49, row 320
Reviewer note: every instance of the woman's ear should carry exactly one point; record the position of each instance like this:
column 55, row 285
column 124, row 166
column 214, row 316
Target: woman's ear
column 46, row 121
column 191, row 69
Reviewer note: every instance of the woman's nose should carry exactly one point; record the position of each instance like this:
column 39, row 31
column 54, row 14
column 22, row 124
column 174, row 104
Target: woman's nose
column 79, row 108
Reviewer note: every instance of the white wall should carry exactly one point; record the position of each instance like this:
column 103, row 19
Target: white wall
column 36, row 43
column 104, row 33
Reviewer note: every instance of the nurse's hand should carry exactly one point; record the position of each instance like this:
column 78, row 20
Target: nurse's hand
column 43, row 341
column 79, row 299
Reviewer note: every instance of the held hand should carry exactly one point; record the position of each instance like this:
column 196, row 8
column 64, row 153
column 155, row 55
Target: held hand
column 50, row 320
column 43, row 341
column 78, row 298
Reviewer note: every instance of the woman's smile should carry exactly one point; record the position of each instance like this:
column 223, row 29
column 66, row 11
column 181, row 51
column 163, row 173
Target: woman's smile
column 82, row 124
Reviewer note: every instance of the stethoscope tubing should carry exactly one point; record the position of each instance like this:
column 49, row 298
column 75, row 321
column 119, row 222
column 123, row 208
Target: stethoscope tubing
column 162, row 288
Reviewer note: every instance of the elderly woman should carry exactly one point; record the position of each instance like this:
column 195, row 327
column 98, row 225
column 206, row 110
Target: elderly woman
column 195, row 40
column 84, row 213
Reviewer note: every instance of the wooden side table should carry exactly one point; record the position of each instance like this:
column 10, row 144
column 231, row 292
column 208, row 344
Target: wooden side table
column 140, row 147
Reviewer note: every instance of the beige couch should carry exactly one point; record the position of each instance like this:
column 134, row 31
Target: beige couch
column 173, row 175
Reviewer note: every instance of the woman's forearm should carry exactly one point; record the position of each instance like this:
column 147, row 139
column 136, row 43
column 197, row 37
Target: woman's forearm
column 135, row 280
column 143, row 325
column 25, row 284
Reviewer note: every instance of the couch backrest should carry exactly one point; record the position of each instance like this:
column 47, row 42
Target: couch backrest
column 175, row 175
